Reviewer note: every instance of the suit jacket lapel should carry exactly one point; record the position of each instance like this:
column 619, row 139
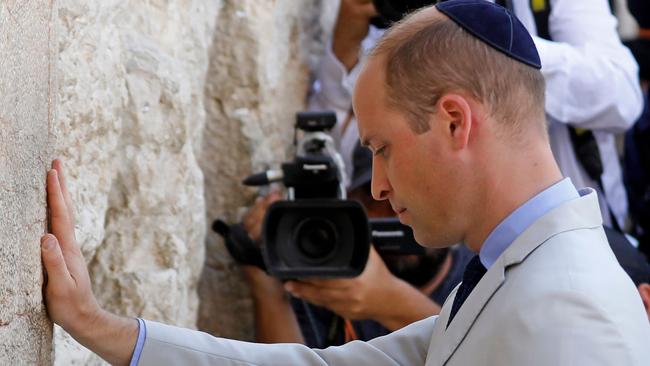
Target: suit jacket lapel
column 580, row 213
column 445, row 341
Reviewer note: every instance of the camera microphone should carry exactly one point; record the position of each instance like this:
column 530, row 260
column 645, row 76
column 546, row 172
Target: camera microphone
column 264, row 178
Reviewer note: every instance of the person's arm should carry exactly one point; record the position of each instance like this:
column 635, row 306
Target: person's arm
column 168, row 345
column 376, row 294
column 340, row 64
column 275, row 321
column 68, row 294
column 591, row 78
column 71, row 304
column 351, row 28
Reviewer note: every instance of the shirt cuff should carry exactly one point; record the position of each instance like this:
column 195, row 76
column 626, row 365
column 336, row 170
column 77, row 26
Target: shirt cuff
column 142, row 334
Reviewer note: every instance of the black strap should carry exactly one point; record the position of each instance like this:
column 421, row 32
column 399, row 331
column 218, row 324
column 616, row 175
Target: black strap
column 541, row 12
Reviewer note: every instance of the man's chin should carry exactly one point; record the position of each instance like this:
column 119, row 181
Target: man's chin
column 429, row 241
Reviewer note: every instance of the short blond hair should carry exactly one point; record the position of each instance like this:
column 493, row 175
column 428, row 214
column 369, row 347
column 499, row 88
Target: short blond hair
column 428, row 55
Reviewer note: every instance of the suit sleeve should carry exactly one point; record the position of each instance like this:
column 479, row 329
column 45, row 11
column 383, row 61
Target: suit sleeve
column 168, row 345
column 591, row 77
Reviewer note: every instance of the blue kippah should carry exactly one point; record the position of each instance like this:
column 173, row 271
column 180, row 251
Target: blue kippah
column 494, row 25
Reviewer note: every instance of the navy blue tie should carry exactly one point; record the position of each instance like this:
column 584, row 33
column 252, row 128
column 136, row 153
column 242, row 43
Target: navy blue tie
column 474, row 271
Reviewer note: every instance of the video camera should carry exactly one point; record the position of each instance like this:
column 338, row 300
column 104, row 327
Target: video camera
column 317, row 231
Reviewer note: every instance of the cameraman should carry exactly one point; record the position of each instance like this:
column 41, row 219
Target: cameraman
column 336, row 311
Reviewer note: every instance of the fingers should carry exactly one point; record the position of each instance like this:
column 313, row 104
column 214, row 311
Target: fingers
column 255, row 216
column 57, row 165
column 53, row 260
column 329, row 284
column 274, row 196
column 62, row 226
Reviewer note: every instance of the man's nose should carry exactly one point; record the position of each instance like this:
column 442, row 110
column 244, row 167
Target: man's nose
column 379, row 186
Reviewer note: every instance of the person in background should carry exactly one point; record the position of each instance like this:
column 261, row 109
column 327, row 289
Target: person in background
column 637, row 139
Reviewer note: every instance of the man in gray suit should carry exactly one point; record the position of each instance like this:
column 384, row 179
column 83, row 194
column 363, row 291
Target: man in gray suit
column 451, row 103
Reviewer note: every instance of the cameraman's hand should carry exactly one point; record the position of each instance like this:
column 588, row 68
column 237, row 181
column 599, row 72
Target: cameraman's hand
column 254, row 218
column 68, row 295
column 275, row 321
column 376, row 294
column 351, row 28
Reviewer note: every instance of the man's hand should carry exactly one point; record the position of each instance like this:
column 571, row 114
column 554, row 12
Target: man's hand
column 351, row 28
column 68, row 294
column 375, row 294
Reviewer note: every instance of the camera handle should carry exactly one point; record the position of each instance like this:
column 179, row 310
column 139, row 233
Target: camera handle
column 328, row 144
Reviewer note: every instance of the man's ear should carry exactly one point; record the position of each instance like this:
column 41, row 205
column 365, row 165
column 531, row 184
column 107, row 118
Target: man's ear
column 644, row 290
column 455, row 113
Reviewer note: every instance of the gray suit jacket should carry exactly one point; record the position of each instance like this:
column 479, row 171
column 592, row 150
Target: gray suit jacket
column 556, row 296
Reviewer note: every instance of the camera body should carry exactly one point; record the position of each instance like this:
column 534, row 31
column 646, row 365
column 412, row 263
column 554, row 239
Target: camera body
column 316, row 232
column 389, row 236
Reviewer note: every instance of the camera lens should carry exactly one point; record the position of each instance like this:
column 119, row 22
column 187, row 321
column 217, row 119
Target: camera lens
column 316, row 239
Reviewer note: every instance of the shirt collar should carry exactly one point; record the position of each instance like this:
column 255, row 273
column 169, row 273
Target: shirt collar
column 514, row 225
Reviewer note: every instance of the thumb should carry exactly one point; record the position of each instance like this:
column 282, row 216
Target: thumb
column 53, row 259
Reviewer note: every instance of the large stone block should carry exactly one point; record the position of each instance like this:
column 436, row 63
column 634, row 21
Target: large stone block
column 131, row 116
column 27, row 105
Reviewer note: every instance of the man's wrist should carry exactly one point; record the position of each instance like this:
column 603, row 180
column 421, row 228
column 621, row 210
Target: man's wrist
column 274, row 292
column 87, row 321
column 110, row 336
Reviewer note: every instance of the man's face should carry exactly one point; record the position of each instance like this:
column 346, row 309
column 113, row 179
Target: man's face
column 417, row 270
column 414, row 172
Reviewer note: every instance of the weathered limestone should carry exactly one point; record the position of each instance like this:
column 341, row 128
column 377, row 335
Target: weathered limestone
column 130, row 120
column 159, row 108
column 27, row 101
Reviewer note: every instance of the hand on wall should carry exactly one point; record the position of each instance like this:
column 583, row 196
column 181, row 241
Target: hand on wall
column 68, row 294
column 69, row 297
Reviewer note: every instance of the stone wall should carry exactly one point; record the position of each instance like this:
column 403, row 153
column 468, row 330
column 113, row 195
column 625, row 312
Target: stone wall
column 27, row 65
column 159, row 109
column 131, row 115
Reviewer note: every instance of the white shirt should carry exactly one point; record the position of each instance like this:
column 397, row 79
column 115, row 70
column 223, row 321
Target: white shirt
column 591, row 82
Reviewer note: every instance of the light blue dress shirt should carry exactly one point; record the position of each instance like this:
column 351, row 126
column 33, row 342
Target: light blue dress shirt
column 514, row 225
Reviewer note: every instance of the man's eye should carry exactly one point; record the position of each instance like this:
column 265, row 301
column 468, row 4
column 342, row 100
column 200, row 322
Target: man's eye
column 380, row 151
